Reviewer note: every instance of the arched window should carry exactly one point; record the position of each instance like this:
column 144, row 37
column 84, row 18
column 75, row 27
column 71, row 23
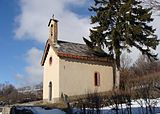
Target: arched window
column 50, row 60
column 97, row 79
column 50, row 91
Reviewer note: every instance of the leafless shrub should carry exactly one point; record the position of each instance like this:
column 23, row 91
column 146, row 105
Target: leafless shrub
column 144, row 89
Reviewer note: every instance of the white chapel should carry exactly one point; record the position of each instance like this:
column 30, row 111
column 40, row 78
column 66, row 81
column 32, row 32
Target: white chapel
column 73, row 69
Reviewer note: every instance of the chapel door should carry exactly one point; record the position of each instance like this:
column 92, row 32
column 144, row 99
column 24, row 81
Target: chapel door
column 50, row 91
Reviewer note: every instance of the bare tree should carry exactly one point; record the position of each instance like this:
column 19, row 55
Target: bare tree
column 155, row 4
column 125, row 61
column 125, row 71
column 145, row 92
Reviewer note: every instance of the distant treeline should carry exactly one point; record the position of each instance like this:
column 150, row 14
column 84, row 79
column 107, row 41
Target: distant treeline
column 10, row 95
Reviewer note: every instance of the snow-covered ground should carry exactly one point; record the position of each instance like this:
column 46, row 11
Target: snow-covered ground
column 136, row 109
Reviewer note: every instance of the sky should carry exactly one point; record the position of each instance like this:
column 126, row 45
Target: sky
column 24, row 31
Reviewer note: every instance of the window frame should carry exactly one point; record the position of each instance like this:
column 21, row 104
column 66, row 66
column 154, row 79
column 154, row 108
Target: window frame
column 97, row 78
column 50, row 60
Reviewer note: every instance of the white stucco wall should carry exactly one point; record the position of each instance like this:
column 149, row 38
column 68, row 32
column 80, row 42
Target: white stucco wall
column 51, row 73
column 73, row 78
column 78, row 78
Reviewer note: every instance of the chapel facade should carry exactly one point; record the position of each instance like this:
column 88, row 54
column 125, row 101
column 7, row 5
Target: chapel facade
column 73, row 69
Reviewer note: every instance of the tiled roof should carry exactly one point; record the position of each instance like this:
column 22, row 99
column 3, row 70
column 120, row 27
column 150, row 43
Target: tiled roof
column 80, row 51
column 73, row 48
column 76, row 51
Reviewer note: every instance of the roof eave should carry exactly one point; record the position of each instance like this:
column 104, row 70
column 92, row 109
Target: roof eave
column 51, row 20
column 106, row 59
column 46, row 49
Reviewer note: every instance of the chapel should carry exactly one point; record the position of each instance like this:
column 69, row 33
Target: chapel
column 74, row 69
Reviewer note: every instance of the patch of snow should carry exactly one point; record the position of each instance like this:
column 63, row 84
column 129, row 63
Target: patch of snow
column 135, row 108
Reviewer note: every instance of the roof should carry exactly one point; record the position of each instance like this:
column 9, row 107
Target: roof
column 52, row 20
column 76, row 51
column 73, row 48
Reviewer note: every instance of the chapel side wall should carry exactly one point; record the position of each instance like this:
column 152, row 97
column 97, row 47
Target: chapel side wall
column 77, row 78
column 51, row 73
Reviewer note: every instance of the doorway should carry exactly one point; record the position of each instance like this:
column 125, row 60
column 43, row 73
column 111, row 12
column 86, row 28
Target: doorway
column 50, row 91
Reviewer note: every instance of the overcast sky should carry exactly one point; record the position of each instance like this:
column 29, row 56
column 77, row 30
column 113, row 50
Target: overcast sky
column 24, row 31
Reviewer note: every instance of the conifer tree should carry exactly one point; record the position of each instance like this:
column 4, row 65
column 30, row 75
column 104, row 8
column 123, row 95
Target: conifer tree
column 120, row 25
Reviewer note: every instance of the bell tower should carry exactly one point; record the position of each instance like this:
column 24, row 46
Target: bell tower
column 53, row 30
